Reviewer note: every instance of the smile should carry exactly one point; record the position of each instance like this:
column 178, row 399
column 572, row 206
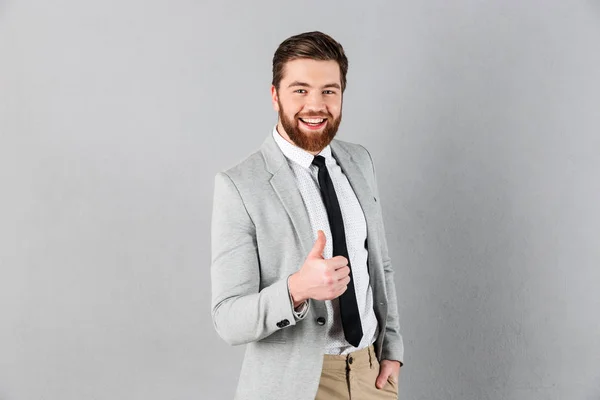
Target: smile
column 313, row 123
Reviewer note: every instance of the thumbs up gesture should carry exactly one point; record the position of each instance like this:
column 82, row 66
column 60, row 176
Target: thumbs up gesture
column 318, row 278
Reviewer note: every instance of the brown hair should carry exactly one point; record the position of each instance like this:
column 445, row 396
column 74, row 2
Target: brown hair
column 312, row 45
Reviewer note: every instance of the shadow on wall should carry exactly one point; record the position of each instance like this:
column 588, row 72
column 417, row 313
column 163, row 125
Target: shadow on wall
column 596, row 394
column 458, row 202
column 469, row 224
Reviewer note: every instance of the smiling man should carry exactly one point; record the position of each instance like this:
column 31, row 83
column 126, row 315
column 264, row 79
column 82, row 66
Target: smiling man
column 300, row 269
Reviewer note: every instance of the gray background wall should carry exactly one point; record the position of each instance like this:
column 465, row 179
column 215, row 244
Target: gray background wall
column 484, row 121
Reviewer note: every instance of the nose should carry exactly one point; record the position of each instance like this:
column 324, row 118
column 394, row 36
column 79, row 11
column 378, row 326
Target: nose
column 315, row 103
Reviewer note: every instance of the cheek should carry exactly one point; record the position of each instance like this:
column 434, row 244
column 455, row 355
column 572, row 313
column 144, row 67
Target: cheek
column 292, row 108
column 334, row 110
column 334, row 105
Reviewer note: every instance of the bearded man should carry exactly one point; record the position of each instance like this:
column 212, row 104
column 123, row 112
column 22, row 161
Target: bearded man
column 300, row 268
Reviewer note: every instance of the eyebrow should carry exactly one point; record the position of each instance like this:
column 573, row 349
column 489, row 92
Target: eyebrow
column 304, row 84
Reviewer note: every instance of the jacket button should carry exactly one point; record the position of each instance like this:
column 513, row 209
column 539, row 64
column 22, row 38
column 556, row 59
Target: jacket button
column 321, row 321
column 283, row 324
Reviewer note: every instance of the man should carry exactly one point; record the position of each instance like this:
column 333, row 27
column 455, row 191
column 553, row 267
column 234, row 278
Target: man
column 300, row 268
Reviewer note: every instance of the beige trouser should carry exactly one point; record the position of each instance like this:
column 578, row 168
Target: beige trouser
column 352, row 377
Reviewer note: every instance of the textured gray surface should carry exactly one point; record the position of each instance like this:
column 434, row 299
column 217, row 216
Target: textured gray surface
column 483, row 121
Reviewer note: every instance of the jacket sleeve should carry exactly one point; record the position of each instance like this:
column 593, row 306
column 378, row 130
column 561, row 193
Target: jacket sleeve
column 393, row 346
column 240, row 312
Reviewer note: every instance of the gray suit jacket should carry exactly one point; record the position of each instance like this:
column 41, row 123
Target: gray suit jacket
column 261, row 235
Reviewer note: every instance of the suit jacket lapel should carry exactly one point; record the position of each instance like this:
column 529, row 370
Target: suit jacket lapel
column 284, row 184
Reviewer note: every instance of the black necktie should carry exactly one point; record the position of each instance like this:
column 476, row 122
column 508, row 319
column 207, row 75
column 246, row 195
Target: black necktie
column 348, row 304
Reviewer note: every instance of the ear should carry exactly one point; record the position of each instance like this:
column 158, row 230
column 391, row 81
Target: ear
column 274, row 98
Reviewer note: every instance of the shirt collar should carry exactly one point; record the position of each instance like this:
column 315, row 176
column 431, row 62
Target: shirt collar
column 298, row 155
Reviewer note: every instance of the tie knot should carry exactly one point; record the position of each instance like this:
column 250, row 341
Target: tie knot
column 319, row 161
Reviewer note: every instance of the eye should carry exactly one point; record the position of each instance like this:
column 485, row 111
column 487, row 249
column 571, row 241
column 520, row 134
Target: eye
column 328, row 92
column 300, row 91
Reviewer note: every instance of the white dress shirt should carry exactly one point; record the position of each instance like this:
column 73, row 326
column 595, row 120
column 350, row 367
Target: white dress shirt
column 355, row 226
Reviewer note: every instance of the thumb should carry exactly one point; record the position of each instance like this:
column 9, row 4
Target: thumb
column 319, row 246
column 381, row 380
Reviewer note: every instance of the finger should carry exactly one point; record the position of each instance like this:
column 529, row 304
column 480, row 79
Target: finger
column 342, row 273
column 343, row 289
column 341, row 281
column 319, row 246
column 338, row 262
column 344, row 281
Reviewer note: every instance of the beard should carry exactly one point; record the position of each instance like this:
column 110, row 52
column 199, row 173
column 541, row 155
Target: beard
column 310, row 141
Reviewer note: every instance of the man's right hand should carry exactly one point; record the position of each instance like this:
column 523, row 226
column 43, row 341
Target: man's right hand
column 318, row 278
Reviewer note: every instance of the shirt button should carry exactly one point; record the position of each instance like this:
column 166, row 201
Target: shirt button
column 350, row 360
column 321, row 321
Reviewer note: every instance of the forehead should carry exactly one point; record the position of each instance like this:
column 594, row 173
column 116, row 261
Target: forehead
column 311, row 71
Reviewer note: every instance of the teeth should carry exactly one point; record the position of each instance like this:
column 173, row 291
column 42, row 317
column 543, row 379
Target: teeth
column 313, row 121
